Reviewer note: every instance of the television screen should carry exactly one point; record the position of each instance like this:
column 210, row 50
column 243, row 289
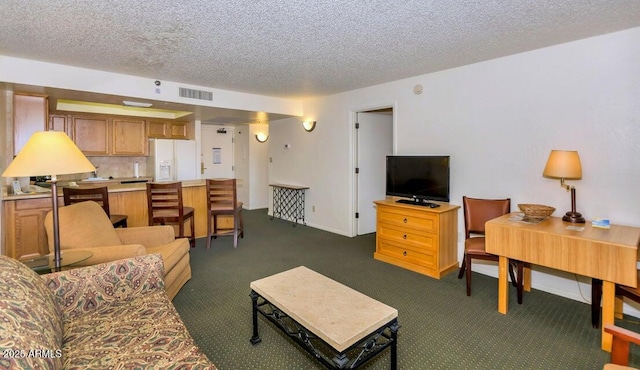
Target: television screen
column 419, row 177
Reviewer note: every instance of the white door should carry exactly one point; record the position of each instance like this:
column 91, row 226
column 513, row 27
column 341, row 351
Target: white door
column 374, row 140
column 217, row 151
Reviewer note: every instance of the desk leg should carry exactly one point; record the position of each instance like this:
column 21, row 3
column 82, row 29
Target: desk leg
column 527, row 277
column 608, row 305
column 503, row 285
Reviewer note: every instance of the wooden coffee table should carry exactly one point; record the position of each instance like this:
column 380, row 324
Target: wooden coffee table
column 342, row 328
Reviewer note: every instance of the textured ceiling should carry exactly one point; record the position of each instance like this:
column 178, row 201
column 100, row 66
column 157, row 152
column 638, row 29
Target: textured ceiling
column 295, row 48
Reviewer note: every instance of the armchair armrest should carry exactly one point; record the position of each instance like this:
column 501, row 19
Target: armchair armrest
column 110, row 253
column 149, row 236
column 622, row 338
column 86, row 289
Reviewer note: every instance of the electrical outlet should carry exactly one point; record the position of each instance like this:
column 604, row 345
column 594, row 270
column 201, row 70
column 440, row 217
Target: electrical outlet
column 313, row 208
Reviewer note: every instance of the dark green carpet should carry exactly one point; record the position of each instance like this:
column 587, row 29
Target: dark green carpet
column 441, row 328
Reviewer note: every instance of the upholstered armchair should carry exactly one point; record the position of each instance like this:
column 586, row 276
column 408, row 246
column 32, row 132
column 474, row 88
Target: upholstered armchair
column 85, row 226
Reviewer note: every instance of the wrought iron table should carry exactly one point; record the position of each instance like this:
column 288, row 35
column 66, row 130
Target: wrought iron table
column 340, row 327
column 288, row 202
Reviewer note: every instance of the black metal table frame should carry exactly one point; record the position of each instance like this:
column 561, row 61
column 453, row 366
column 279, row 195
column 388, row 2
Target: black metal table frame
column 288, row 203
column 361, row 352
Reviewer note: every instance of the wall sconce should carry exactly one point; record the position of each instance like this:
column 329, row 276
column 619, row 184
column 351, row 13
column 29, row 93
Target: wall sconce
column 565, row 164
column 262, row 137
column 309, row 125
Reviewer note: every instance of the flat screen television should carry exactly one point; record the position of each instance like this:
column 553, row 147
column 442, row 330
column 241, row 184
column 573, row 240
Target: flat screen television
column 420, row 178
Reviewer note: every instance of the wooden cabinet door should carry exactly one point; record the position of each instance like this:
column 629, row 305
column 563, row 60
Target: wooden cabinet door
column 158, row 129
column 30, row 113
column 58, row 122
column 179, row 130
column 24, row 223
column 129, row 137
column 91, row 135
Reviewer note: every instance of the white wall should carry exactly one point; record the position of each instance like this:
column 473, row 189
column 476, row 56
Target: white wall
column 258, row 167
column 498, row 120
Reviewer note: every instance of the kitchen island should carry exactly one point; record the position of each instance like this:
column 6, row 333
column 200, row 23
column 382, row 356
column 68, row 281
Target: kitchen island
column 24, row 214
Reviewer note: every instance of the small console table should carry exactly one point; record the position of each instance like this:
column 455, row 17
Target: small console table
column 288, row 202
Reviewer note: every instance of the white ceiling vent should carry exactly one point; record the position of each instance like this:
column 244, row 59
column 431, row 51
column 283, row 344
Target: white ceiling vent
column 195, row 94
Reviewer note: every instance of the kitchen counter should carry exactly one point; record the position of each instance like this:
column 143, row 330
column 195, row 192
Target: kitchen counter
column 114, row 186
column 23, row 215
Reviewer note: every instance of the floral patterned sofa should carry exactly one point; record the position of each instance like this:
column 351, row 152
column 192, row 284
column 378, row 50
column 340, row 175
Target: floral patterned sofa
column 115, row 315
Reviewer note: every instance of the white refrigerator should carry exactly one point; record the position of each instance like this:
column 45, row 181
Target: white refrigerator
column 172, row 160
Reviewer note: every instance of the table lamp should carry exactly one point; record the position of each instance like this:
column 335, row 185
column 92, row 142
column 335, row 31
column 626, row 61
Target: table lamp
column 50, row 153
column 565, row 164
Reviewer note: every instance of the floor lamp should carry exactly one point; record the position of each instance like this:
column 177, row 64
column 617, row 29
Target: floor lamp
column 50, row 153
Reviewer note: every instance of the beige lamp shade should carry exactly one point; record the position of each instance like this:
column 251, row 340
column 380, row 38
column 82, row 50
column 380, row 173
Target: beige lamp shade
column 48, row 153
column 563, row 164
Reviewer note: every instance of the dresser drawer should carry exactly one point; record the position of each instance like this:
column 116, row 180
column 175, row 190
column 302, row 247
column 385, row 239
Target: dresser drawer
column 407, row 255
column 401, row 237
column 410, row 219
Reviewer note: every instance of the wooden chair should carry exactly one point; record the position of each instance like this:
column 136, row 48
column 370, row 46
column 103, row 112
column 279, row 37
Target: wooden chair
column 164, row 203
column 622, row 339
column 621, row 291
column 476, row 213
column 99, row 195
column 222, row 199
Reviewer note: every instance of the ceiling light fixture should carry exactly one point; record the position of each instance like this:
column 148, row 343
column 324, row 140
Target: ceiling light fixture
column 136, row 104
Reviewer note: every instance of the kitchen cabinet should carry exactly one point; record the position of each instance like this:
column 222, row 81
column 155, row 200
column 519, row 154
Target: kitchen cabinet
column 24, row 226
column 91, row 135
column 129, row 137
column 168, row 129
column 58, row 122
column 30, row 113
column 107, row 136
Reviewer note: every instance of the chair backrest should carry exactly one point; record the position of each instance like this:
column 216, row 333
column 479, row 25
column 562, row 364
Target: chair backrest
column 164, row 200
column 478, row 211
column 222, row 194
column 99, row 195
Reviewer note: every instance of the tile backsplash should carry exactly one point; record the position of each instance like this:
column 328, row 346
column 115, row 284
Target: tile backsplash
column 116, row 167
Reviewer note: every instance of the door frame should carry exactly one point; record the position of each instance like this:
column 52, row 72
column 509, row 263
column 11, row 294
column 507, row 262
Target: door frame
column 354, row 152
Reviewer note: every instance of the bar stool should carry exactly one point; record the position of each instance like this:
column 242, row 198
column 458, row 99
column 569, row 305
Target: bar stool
column 99, row 195
column 222, row 199
column 164, row 203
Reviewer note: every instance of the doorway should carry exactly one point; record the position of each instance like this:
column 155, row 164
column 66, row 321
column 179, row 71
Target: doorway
column 373, row 141
column 217, row 151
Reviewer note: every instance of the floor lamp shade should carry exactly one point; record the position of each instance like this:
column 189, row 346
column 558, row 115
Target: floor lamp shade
column 50, row 153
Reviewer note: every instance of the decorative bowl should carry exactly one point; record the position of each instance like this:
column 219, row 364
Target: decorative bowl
column 536, row 210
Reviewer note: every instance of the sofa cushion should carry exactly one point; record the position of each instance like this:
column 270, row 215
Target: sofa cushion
column 82, row 225
column 148, row 332
column 30, row 320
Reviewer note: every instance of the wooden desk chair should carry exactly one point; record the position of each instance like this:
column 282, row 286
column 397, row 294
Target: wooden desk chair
column 99, row 195
column 222, row 199
column 621, row 291
column 164, row 203
column 476, row 213
column 622, row 339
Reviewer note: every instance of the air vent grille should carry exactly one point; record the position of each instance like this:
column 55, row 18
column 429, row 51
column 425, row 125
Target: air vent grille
column 195, row 94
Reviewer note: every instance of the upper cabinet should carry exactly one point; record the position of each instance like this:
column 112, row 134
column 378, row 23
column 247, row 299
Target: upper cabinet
column 30, row 113
column 107, row 136
column 168, row 129
column 129, row 137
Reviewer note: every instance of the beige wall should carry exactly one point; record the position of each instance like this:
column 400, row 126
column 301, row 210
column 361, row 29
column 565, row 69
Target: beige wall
column 6, row 127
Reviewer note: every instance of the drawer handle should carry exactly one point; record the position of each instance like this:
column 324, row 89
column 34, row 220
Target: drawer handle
column 404, row 236
column 404, row 253
column 405, row 220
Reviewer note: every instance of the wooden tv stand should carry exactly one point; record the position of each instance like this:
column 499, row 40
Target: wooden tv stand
column 417, row 238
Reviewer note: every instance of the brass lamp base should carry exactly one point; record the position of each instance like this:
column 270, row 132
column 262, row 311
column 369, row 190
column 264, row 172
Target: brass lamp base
column 573, row 217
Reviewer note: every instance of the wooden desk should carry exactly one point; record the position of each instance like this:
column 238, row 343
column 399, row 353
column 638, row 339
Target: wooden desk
column 606, row 254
